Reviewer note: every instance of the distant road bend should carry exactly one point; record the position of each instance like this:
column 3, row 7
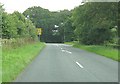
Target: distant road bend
column 63, row 63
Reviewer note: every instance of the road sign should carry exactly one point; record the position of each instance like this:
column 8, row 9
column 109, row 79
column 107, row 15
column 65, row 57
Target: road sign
column 39, row 31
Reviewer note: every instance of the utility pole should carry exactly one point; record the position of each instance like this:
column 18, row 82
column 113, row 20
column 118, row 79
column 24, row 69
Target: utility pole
column 39, row 37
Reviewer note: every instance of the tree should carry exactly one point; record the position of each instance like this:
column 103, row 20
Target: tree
column 68, row 30
column 9, row 29
column 94, row 21
column 43, row 18
column 15, row 25
column 1, row 11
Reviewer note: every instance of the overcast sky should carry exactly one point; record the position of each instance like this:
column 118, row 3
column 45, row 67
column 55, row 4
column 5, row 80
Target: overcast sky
column 53, row 5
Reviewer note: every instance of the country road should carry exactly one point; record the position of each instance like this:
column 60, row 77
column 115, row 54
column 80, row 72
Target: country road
column 63, row 63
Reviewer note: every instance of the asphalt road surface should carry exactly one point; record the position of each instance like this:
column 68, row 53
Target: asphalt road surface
column 63, row 63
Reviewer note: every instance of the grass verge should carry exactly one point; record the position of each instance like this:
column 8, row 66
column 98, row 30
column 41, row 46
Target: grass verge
column 101, row 50
column 15, row 60
column 0, row 64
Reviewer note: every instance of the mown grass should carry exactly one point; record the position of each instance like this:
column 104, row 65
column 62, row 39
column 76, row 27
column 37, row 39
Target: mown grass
column 101, row 50
column 16, row 59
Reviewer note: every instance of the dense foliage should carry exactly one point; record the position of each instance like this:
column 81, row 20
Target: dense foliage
column 50, row 22
column 16, row 25
column 119, row 22
column 90, row 23
column 96, row 22
column 1, row 11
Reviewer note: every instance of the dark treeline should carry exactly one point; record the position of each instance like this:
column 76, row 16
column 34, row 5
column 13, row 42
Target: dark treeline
column 50, row 22
column 96, row 22
column 90, row 23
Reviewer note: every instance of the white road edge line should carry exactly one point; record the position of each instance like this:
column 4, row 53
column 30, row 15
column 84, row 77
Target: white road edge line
column 79, row 65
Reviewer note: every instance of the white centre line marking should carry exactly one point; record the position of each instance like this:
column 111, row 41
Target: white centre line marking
column 68, row 52
column 63, row 50
column 79, row 65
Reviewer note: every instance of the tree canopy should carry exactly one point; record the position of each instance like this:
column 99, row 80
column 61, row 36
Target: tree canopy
column 93, row 21
column 16, row 25
column 89, row 23
column 43, row 18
